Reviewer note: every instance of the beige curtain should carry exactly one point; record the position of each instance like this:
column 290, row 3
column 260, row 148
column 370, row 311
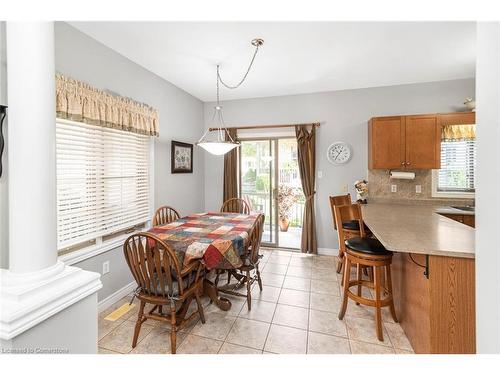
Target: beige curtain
column 458, row 132
column 231, row 170
column 78, row 101
column 306, row 144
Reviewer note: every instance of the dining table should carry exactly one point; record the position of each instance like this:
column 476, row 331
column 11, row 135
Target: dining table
column 217, row 239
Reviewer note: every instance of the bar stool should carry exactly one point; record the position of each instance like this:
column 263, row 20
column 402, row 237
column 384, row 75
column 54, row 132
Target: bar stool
column 348, row 217
column 368, row 252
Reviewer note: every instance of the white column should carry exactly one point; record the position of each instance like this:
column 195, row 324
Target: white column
column 31, row 139
column 488, row 180
column 37, row 286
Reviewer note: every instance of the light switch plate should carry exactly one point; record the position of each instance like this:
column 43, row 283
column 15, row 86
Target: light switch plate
column 418, row 189
column 105, row 267
column 345, row 188
column 394, row 188
column 320, row 174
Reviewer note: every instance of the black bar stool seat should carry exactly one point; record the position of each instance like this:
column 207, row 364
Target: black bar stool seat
column 351, row 225
column 366, row 245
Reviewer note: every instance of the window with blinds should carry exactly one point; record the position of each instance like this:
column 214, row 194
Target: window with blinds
column 458, row 162
column 102, row 183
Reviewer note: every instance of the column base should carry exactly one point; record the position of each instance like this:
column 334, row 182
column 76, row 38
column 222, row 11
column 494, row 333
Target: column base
column 29, row 299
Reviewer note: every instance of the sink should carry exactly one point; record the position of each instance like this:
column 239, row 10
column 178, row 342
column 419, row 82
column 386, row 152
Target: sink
column 464, row 208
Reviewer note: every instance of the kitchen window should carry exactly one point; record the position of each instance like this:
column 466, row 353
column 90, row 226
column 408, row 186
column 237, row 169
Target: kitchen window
column 103, row 185
column 458, row 163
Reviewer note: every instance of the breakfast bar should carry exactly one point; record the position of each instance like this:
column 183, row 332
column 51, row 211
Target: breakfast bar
column 433, row 274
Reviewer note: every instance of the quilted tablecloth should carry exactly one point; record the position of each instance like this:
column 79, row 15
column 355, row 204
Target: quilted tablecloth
column 219, row 238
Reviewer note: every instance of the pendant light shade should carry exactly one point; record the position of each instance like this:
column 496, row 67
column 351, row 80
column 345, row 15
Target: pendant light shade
column 221, row 145
column 218, row 148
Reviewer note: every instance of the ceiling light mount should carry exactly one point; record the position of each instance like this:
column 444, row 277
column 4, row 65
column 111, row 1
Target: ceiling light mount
column 257, row 42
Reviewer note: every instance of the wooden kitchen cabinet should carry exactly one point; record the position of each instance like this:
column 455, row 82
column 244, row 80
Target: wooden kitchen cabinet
column 423, row 142
column 469, row 220
column 385, row 149
column 404, row 142
column 437, row 311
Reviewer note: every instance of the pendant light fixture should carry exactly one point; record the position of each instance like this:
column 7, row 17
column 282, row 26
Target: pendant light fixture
column 220, row 145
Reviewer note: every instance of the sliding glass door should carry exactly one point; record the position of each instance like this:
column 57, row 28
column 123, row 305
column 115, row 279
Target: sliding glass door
column 270, row 182
column 257, row 176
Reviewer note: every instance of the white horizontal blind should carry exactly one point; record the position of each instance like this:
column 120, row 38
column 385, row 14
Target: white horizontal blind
column 458, row 162
column 102, row 181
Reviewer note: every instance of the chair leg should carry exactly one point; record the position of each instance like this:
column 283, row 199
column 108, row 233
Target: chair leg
column 160, row 309
column 228, row 277
column 217, row 275
column 346, row 288
column 358, row 278
column 200, row 308
column 378, row 307
column 138, row 324
column 173, row 330
column 389, row 289
column 249, row 293
column 259, row 280
column 340, row 261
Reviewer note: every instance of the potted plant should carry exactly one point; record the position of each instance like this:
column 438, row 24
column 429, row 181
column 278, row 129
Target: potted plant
column 287, row 196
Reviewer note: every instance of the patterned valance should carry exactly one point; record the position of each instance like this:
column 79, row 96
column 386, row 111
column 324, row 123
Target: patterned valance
column 458, row 132
column 78, row 101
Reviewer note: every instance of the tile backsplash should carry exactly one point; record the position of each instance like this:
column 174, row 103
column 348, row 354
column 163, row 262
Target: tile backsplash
column 379, row 186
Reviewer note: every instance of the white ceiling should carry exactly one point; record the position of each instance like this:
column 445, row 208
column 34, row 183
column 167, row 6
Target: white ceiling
column 297, row 57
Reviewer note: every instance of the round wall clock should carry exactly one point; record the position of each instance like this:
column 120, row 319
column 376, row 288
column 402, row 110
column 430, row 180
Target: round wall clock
column 339, row 153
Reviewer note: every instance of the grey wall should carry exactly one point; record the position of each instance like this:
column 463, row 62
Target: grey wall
column 4, row 211
column 181, row 118
column 343, row 116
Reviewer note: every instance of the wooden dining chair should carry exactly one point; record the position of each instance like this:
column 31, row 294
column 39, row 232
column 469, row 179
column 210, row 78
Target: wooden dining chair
column 165, row 215
column 162, row 282
column 236, row 205
column 251, row 260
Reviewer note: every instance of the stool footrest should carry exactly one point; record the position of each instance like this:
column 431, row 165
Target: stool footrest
column 368, row 301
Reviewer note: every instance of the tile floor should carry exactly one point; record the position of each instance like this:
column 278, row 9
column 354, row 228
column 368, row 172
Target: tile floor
column 295, row 313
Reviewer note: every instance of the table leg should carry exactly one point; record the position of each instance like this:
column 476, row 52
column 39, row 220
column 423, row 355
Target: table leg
column 210, row 290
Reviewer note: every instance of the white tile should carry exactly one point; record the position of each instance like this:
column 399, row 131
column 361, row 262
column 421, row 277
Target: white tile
column 291, row 316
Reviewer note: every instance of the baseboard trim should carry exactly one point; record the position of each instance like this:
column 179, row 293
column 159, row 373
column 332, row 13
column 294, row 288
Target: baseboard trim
column 327, row 251
column 116, row 296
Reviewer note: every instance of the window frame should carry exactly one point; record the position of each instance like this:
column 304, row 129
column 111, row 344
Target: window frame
column 101, row 246
column 435, row 193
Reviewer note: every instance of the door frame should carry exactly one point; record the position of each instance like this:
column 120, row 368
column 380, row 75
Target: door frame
column 274, row 194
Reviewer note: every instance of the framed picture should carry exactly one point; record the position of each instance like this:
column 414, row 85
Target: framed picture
column 182, row 157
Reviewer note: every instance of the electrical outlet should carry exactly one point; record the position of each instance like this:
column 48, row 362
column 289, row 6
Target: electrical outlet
column 345, row 188
column 320, row 174
column 394, row 188
column 105, row 267
column 418, row 189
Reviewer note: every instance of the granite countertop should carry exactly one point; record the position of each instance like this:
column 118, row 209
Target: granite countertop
column 419, row 229
column 453, row 211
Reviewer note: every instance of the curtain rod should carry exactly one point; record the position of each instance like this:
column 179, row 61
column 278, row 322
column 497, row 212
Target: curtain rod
column 315, row 124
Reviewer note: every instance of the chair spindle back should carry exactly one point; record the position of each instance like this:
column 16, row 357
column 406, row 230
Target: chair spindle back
column 153, row 264
column 235, row 205
column 256, row 238
column 165, row 215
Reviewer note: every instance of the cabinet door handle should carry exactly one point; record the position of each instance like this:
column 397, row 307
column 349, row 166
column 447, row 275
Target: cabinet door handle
column 402, row 163
column 408, row 163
